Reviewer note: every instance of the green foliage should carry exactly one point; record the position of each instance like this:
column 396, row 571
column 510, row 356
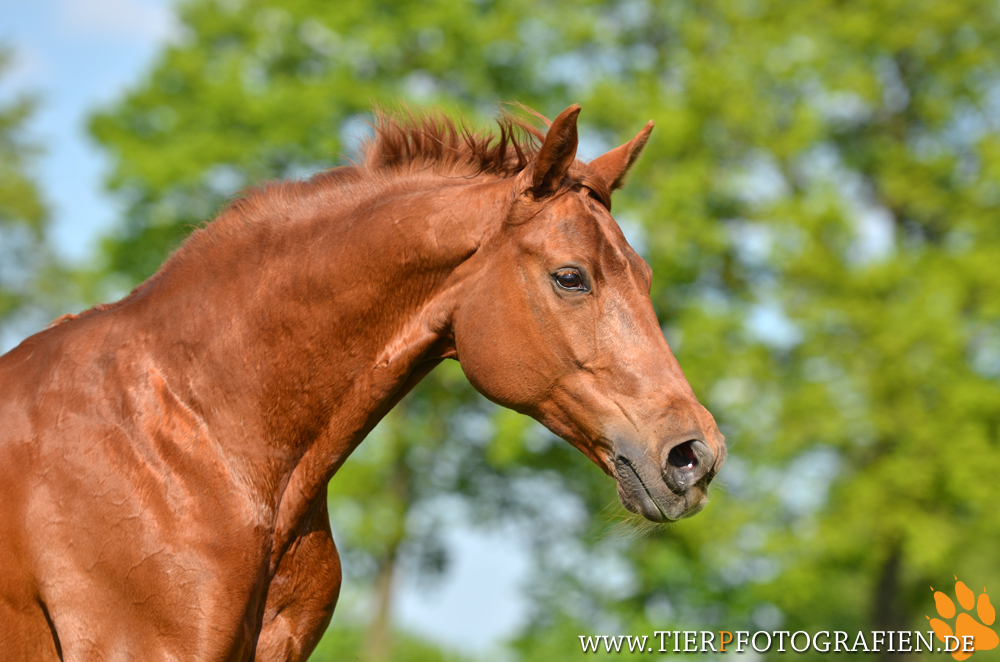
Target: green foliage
column 22, row 212
column 343, row 644
column 819, row 204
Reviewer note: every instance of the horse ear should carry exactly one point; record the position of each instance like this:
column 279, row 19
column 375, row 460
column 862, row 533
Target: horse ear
column 557, row 152
column 614, row 165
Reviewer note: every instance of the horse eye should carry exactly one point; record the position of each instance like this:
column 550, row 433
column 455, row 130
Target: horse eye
column 569, row 280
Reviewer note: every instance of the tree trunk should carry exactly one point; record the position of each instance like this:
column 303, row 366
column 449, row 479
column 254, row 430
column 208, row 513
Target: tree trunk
column 887, row 614
column 378, row 641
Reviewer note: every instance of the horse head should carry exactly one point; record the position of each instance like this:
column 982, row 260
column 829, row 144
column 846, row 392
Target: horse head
column 558, row 324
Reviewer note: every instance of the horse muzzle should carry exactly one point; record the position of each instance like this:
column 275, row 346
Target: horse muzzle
column 670, row 484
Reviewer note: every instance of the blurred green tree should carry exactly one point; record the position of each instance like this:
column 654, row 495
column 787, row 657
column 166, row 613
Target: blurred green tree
column 23, row 215
column 819, row 205
column 827, row 273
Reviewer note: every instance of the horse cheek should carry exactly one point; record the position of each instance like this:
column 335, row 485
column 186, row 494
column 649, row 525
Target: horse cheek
column 488, row 355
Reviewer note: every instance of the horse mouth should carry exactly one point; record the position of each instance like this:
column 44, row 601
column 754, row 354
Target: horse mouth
column 659, row 504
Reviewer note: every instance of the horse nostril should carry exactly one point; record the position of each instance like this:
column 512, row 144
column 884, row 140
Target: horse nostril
column 687, row 463
column 683, row 456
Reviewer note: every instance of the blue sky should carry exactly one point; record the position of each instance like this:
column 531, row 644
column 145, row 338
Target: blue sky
column 76, row 56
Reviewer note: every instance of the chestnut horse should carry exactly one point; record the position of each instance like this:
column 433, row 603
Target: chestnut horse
column 164, row 460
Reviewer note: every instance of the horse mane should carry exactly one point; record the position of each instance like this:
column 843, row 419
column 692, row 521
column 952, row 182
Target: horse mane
column 408, row 142
column 404, row 142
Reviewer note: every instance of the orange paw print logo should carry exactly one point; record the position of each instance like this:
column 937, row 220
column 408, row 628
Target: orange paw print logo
column 965, row 625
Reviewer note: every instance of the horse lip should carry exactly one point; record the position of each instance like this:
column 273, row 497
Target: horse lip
column 622, row 461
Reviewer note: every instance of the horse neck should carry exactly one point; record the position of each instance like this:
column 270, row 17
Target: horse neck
column 311, row 320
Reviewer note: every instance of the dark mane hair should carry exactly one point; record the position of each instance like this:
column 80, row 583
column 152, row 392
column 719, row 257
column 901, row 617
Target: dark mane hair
column 407, row 141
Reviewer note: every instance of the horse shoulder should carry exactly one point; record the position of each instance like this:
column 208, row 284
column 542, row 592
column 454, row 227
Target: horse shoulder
column 121, row 512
